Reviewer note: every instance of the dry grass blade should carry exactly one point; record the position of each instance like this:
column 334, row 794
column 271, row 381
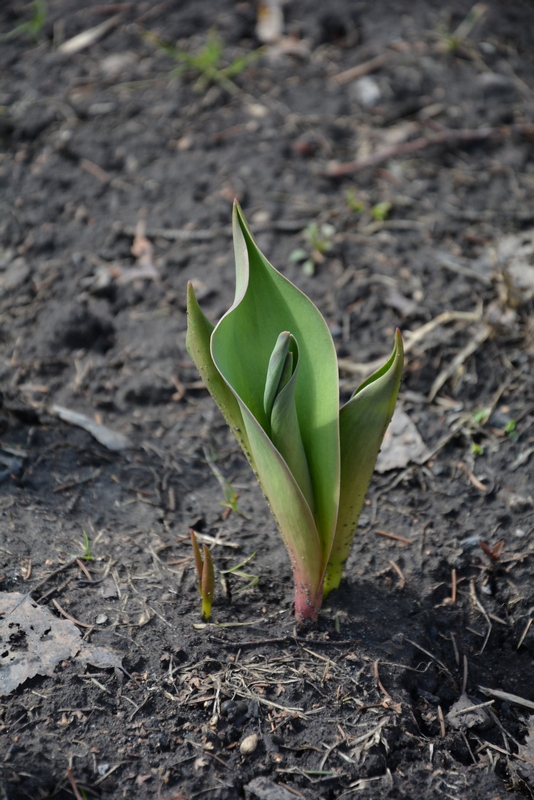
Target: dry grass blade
column 479, row 338
column 508, row 697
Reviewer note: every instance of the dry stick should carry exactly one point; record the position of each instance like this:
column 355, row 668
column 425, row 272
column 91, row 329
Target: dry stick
column 507, row 697
column 416, row 336
column 443, row 137
column 362, row 69
column 379, row 682
column 459, row 359
column 399, row 572
column 70, row 617
column 72, row 782
column 523, row 635
column 441, row 722
column 395, row 536
column 481, row 608
column 453, row 586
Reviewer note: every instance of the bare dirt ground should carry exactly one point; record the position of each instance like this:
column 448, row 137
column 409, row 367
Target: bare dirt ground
column 406, row 128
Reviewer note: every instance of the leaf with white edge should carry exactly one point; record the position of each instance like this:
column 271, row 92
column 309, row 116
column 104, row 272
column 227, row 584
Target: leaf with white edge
column 362, row 423
column 198, row 336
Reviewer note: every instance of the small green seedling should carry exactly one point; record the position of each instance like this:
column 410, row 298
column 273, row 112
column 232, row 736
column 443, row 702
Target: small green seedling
column 270, row 364
column 230, row 495
column 381, row 211
column 452, row 41
column 87, row 555
column 208, row 63
column 247, row 576
column 477, row 449
column 510, row 429
column 481, row 415
column 205, row 575
column 318, row 239
column 31, row 27
column 354, row 202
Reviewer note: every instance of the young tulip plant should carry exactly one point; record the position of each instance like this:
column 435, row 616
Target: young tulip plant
column 271, row 366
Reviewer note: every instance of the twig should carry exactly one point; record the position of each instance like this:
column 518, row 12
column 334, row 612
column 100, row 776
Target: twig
column 360, row 70
column 413, row 338
column 481, row 608
column 472, row 478
column 70, row 617
column 478, row 339
column 474, row 707
column 441, row 722
column 72, row 782
column 507, row 697
column 379, row 682
column 523, row 635
column 395, row 536
column 445, row 137
column 84, row 570
column 399, row 572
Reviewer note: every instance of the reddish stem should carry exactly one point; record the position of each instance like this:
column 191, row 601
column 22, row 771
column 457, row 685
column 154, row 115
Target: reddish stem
column 306, row 605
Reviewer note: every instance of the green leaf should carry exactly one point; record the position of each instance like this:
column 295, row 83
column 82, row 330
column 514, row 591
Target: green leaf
column 277, row 366
column 285, row 432
column 265, row 305
column 199, row 330
column 362, row 424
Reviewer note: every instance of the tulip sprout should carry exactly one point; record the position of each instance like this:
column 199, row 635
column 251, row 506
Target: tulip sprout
column 205, row 575
column 271, row 366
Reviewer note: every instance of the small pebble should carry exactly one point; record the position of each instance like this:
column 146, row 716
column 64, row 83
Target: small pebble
column 367, row 91
column 101, row 619
column 249, row 744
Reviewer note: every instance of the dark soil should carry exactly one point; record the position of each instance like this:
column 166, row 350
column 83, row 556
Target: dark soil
column 100, row 141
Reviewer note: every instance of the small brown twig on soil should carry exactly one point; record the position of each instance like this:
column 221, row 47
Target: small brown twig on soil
column 453, row 586
column 444, row 137
column 72, row 782
column 433, row 657
column 399, row 572
column 460, row 358
column 472, row 478
column 360, row 70
column 395, row 536
column 379, row 682
column 57, row 571
column 413, row 337
column 84, row 570
column 507, row 697
column 481, row 608
column 285, row 640
column 70, row 617
column 441, row 722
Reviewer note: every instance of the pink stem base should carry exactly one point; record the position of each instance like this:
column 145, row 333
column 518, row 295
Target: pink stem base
column 306, row 605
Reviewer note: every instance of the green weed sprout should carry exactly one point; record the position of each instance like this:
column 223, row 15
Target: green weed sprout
column 319, row 242
column 31, row 27
column 207, row 63
column 205, row 575
column 271, row 366
column 380, row 211
column 87, row 555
